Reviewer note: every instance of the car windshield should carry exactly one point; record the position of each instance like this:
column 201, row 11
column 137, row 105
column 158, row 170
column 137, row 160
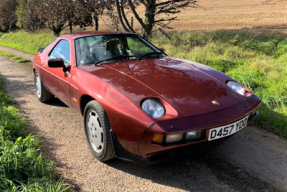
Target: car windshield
column 116, row 47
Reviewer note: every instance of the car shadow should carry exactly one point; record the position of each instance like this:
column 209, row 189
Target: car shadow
column 56, row 102
column 211, row 171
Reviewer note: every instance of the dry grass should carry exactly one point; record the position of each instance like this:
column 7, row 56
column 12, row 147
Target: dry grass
column 267, row 15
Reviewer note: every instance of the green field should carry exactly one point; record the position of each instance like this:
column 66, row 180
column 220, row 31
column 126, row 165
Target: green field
column 22, row 165
column 256, row 60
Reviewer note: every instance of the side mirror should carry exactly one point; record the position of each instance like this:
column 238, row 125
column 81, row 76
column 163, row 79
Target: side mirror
column 162, row 49
column 57, row 63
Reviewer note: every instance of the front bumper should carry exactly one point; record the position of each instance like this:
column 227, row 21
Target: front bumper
column 123, row 154
column 193, row 123
column 153, row 153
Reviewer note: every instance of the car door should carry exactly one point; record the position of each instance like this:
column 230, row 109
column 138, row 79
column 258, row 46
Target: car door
column 56, row 80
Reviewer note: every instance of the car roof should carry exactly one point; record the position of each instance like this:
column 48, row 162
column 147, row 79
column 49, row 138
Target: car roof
column 91, row 33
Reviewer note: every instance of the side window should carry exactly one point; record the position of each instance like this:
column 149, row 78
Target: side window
column 61, row 51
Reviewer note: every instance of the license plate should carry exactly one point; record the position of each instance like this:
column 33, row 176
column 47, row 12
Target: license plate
column 226, row 130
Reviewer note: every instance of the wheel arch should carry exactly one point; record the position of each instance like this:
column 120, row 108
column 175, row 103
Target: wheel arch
column 85, row 99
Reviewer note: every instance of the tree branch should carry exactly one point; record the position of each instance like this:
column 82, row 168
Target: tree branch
column 106, row 23
column 168, row 12
column 164, row 25
column 162, row 20
column 125, row 18
column 137, row 17
column 120, row 17
column 175, row 1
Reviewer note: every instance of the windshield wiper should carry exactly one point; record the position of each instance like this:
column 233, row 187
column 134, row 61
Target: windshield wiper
column 113, row 58
column 147, row 54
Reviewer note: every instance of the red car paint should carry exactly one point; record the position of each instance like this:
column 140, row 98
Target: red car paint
column 185, row 88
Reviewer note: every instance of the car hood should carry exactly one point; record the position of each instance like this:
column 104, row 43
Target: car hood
column 189, row 87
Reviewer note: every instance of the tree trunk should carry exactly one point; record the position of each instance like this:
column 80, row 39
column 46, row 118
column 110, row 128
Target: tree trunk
column 10, row 26
column 71, row 27
column 56, row 31
column 149, row 19
column 96, row 19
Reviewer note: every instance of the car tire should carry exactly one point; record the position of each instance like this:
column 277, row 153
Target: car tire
column 42, row 93
column 97, row 129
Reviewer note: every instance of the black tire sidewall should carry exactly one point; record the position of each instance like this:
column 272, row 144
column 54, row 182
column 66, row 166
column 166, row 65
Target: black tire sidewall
column 92, row 107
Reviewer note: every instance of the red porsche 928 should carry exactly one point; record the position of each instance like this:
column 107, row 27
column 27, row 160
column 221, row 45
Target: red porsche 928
column 138, row 103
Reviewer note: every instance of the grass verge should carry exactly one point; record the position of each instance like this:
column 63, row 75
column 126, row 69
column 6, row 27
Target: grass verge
column 23, row 60
column 14, row 57
column 27, row 42
column 256, row 60
column 22, row 165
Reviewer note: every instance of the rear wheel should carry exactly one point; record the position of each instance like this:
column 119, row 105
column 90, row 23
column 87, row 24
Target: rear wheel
column 42, row 93
column 97, row 129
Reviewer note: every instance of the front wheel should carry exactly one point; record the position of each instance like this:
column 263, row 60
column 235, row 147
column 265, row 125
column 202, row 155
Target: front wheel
column 97, row 129
column 42, row 93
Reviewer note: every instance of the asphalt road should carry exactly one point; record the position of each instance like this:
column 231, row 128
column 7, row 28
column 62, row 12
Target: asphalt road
column 252, row 160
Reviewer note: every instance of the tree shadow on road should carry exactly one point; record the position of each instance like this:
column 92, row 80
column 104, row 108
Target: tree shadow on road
column 20, row 89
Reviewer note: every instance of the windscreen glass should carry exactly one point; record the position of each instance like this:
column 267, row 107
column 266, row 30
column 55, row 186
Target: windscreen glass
column 116, row 47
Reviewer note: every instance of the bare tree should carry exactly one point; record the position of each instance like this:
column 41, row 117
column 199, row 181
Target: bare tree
column 157, row 12
column 8, row 17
